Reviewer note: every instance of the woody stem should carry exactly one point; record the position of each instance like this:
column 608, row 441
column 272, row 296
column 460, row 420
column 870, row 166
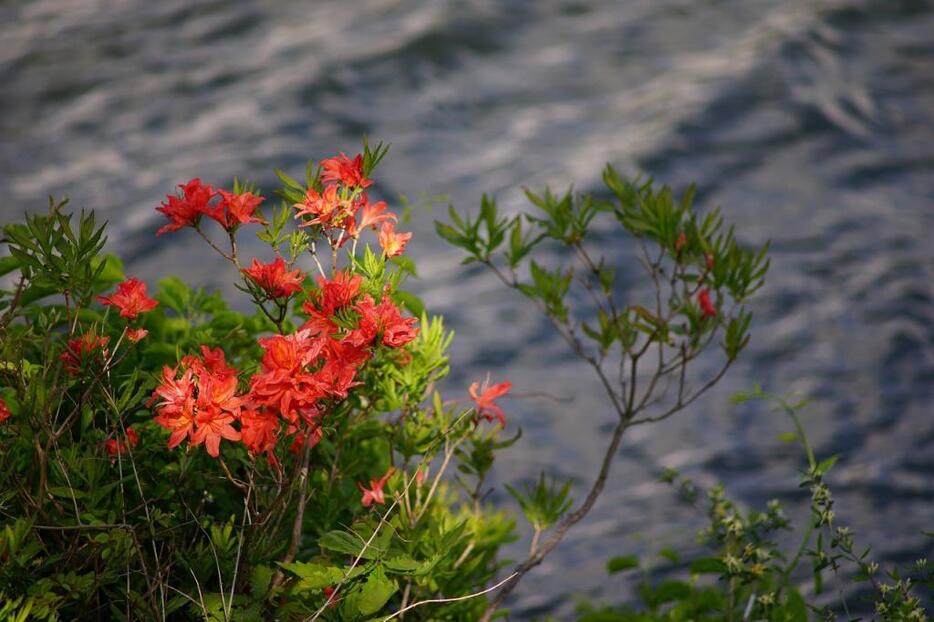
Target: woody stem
column 299, row 515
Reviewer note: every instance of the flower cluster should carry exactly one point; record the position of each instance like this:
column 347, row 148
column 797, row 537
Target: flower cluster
column 274, row 278
column 301, row 377
column 342, row 208
column 304, row 374
column 195, row 200
column 4, row 411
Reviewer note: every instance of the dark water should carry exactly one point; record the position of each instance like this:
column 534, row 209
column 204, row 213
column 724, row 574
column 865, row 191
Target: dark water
column 810, row 122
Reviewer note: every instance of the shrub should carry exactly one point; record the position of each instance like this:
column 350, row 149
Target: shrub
column 167, row 457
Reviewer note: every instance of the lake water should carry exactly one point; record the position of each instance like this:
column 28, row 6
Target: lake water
column 810, row 122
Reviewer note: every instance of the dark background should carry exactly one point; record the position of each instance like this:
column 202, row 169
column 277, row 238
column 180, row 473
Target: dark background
column 809, row 122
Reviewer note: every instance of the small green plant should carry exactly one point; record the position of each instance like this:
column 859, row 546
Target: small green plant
column 749, row 576
column 543, row 504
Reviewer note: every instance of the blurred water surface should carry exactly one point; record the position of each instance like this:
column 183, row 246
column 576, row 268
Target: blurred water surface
column 811, row 122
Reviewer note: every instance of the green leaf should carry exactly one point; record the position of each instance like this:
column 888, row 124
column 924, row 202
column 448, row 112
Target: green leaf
column 669, row 591
column 373, row 594
column 827, row 464
column 8, row 264
column 621, row 563
column 260, row 579
column 109, row 269
column 349, row 544
column 402, row 564
column 317, row 576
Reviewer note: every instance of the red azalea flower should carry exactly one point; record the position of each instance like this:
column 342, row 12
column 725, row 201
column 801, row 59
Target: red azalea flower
column 337, row 376
column 392, row 243
column 284, row 385
column 483, row 397
column 218, row 393
column 290, row 352
column 259, row 431
column 371, row 214
column 343, row 169
column 185, row 211
column 234, row 210
column 213, row 425
column 4, row 411
column 707, row 308
column 384, row 318
column 201, row 404
column 176, row 404
column 331, row 296
column 211, row 362
column 273, row 279
column 130, row 298
column 709, row 258
column 325, row 208
column 116, row 447
column 77, row 350
column 374, row 494
column 136, row 334
column 293, row 396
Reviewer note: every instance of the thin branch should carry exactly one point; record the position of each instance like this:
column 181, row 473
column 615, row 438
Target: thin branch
column 451, row 600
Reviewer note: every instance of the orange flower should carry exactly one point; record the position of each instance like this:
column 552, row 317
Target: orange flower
column 331, row 296
column 201, row 405
column 707, row 308
column 371, row 214
column 217, row 407
column 116, row 447
column 259, row 431
column 213, row 425
column 328, row 595
column 374, row 494
column 273, row 279
column 211, row 361
column 384, row 318
column 484, row 396
column 392, row 243
column 234, row 210
column 185, row 211
column 176, row 407
column 4, row 411
column 285, row 386
column 136, row 334
column 343, row 169
column 325, row 208
column 130, row 298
